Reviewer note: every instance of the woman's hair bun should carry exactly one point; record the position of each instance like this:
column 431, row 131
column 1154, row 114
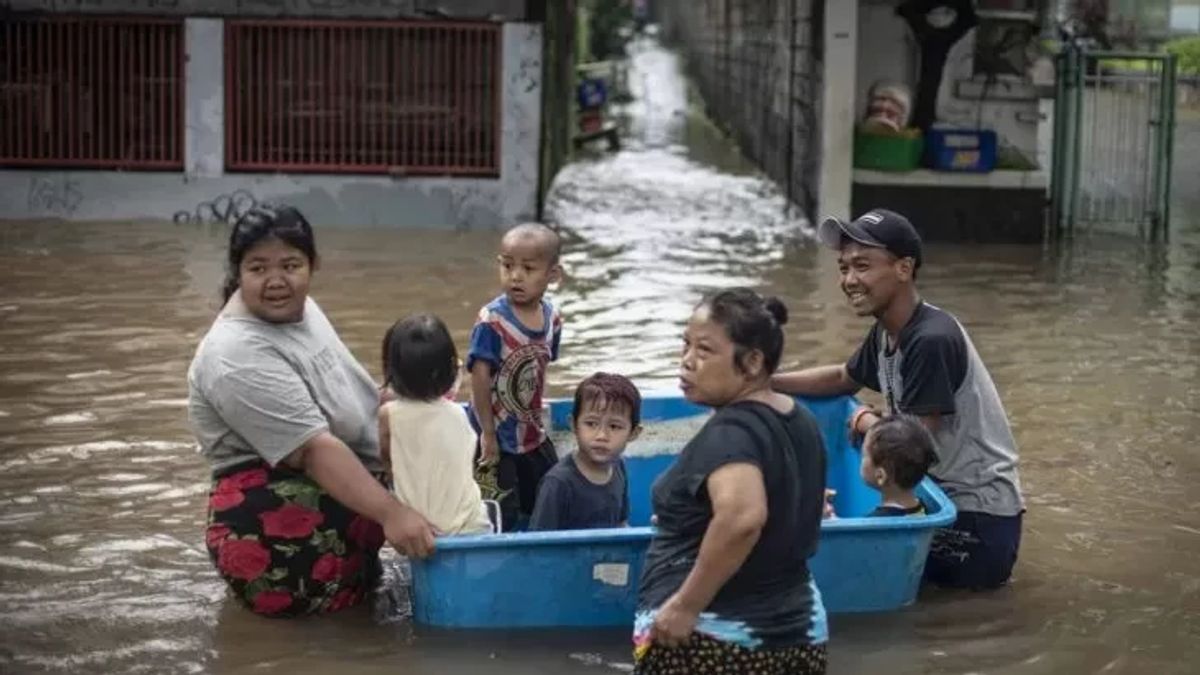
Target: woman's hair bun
column 776, row 309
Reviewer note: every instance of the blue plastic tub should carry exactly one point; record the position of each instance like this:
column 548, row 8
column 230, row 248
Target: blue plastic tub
column 589, row 577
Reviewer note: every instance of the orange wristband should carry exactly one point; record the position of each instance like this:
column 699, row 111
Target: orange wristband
column 858, row 415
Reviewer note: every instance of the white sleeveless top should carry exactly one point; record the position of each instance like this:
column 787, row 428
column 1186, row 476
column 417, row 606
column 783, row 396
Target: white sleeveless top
column 432, row 450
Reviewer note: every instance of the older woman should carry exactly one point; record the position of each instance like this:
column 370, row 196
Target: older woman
column 287, row 418
column 726, row 586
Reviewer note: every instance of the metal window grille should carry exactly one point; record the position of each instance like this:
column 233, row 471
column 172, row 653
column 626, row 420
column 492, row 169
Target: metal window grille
column 91, row 92
column 399, row 97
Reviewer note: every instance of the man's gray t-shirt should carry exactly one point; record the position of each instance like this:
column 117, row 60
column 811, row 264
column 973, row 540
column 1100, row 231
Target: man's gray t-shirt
column 935, row 370
column 567, row 500
column 260, row 390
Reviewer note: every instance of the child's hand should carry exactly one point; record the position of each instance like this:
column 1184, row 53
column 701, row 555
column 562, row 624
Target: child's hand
column 829, row 494
column 489, row 449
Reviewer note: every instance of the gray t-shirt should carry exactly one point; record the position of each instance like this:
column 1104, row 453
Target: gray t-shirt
column 260, row 390
column 935, row 370
column 567, row 500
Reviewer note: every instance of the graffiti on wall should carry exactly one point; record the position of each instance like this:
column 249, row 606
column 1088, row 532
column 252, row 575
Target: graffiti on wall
column 224, row 208
column 53, row 196
column 85, row 5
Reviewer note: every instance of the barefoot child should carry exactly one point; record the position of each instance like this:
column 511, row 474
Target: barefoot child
column 588, row 488
column 515, row 337
column 428, row 440
column 896, row 454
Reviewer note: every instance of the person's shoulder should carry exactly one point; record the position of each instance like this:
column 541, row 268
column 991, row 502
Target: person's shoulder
column 497, row 306
column 311, row 305
column 736, row 420
column 891, row 511
column 235, row 339
column 934, row 326
column 801, row 416
column 233, row 354
column 564, row 473
column 932, row 319
column 741, row 411
column 620, row 472
column 449, row 409
column 314, row 316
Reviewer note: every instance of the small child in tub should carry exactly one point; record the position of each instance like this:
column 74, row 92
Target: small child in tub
column 588, row 488
column 426, row 438
column 897, row 452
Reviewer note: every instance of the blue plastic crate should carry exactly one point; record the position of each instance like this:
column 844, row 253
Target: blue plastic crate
column 589, row 577
column 971, row 150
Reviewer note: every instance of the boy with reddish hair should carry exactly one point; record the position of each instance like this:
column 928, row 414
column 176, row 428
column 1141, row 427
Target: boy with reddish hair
column 588, row 488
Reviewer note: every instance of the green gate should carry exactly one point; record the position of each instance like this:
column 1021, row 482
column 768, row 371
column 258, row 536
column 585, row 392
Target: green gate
column 1114, row 123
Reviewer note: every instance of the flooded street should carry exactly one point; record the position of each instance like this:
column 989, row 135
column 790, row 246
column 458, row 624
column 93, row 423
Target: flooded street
column 1095, row 347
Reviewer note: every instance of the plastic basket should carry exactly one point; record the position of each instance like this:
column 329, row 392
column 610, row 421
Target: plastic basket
column 887, row 152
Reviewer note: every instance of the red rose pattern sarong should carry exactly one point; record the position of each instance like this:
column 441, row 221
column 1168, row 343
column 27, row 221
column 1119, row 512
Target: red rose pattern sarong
column 285, row 546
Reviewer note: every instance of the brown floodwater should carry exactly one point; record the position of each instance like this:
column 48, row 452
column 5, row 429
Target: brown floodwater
column 1094, row 345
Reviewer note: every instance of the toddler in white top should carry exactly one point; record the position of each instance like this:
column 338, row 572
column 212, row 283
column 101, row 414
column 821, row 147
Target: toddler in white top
column 425, row 436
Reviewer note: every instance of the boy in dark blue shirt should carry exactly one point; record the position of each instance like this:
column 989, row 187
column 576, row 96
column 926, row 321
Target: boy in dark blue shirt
column 588, row 488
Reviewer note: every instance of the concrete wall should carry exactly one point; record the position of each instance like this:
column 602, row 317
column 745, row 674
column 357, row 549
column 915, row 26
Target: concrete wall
column 501, row 10
column 944, row 212
column 521, row 126
column 204, row 112
column 757, row 64
column 204, row 192
column 838, row 104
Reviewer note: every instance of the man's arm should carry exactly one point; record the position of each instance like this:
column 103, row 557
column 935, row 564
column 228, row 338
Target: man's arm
column 334, row 467
column 819, row 381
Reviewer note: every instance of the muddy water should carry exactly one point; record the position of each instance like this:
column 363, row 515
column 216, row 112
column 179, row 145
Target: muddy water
column 1095, row 347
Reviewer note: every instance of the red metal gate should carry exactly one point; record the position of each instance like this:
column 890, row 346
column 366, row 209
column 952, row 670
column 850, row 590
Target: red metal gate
column 401, row 97
column 91, row 92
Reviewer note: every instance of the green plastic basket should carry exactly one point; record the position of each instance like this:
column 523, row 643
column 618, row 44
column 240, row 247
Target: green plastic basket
column 887, row 152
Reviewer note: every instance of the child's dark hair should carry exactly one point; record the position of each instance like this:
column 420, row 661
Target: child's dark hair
column 420, row 361
column 283, row 222
column 903, row 447
column 607, row 390
column 752, row 322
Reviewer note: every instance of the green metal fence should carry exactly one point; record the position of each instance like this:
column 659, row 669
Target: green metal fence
column 1114, row 122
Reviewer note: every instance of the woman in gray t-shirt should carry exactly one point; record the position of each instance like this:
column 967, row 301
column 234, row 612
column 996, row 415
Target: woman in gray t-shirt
column 286, row 416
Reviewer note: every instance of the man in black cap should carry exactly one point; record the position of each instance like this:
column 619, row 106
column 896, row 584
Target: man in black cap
column 922, row 361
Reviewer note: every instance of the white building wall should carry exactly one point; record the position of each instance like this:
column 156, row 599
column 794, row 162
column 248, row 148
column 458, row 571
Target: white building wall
column 838, row 107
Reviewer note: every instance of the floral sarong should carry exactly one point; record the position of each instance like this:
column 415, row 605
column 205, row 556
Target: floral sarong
column 285, row 546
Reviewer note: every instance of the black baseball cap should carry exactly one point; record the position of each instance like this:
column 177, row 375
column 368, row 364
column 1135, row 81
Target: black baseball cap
column 880, row 228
